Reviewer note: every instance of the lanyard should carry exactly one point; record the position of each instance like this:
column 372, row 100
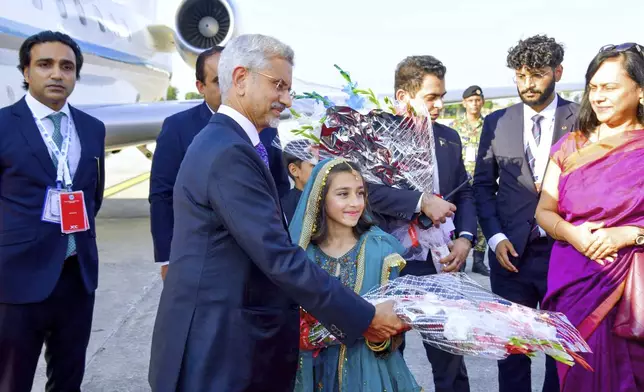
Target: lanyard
column 63, row 176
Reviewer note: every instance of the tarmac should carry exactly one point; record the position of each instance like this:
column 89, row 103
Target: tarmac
column 130, row 286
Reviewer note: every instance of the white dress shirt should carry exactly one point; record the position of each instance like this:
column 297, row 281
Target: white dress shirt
column 547, row 123
column 40, row 111
column 542, row 154
column 243, row 122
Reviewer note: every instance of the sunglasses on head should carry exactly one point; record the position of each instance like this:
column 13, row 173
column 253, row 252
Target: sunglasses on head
column 623, row 48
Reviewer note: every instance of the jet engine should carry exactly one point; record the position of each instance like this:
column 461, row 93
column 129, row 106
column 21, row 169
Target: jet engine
column 202, row 24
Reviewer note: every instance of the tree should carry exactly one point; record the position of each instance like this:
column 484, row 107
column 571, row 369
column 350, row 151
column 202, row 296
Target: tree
column 172, row 93
column 452, row 110
column 193, row 95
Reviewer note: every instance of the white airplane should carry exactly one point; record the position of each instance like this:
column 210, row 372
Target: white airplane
column 127, row 67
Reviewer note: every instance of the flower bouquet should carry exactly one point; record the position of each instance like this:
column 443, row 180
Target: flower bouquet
column 455, row 314
column 392, row 146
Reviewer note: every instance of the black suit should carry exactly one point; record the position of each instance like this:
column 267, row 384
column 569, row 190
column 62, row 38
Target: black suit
column 506, row 201
column 290, row 202
column 44, row 296
column 387, row 203
column 228, row 317
column 176, row 135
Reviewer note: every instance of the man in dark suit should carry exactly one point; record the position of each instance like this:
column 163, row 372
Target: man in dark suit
column 420, row 81
column 228, row 317
column 512, row 158
column 176, row 135
column 47, row 277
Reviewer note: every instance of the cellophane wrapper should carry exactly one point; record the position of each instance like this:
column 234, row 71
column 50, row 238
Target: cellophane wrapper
column 455, row 314
column 393, row 150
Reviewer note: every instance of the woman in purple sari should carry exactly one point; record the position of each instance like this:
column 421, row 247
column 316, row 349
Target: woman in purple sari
column 592, row 203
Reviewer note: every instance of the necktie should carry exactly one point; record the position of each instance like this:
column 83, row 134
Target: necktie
column 536, row 132
column 261, row 150
column 57, row 137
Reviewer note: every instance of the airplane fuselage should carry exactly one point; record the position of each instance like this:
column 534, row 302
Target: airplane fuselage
column 121, row 66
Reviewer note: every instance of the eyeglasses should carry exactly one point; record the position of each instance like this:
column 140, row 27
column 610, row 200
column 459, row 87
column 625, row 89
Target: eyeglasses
column 280, row 85
column 535, row 77
column 623, row 48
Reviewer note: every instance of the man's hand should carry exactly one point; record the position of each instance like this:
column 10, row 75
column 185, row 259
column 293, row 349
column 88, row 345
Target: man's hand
column 164, row 271
column 502, row 250
column 459, row 250
column 436, row 209
column 385, row 323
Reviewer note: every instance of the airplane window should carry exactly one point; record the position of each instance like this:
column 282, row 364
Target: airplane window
column 61, row 8
column 37, row 3
column 81, row 12
column 99, row 18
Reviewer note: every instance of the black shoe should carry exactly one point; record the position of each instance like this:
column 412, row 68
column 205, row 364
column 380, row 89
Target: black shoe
column 479, row 266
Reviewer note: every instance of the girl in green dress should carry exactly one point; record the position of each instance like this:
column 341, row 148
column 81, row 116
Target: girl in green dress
column 332, row 224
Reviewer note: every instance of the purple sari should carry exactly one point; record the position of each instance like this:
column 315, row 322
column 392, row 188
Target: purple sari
column 600, row 182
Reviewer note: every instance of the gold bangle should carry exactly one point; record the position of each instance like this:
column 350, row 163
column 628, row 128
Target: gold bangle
column 378, row 347
column 554, row 230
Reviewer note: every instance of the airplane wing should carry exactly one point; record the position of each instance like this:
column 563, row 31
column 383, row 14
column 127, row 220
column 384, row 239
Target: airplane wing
column 201, row 24
column 134, row 124
column 139, row 124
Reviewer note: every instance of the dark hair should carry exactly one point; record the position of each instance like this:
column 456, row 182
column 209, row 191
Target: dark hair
column 200, row 72
column 536, row 52
column 364, row 223
column 293, row 151
column 44, row 37
column 633, row 63
column 412, row 70
column 288, row 159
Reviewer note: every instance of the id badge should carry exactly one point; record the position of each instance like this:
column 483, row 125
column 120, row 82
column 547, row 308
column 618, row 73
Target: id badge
column 73, row 214
column 470, row 154
column 51, row 206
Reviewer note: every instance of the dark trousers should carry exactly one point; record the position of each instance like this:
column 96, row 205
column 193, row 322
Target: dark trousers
column 450, row 374
column 527, row 287
column 63, row 322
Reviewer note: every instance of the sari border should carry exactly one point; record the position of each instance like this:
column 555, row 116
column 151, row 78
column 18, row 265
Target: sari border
column 594, row 151
column 592, row 321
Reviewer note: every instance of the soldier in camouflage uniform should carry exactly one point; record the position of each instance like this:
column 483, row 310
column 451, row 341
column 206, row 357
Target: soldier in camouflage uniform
column 469, row 127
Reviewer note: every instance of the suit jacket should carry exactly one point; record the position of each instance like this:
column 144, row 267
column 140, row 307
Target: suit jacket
column 504, row 189
column 228, row 316
column 290, row 202
column 176, row 135
column 32, row 252
column 389, row 203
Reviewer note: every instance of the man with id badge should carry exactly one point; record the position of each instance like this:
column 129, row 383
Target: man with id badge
column 52, row 180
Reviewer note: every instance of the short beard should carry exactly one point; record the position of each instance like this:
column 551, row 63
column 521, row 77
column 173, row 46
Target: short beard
column 542, row 98
column 274, row 122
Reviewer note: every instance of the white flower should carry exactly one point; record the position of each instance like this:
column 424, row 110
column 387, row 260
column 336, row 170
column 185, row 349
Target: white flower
column 457, row 326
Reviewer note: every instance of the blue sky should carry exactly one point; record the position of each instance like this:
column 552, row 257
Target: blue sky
column 471, row 37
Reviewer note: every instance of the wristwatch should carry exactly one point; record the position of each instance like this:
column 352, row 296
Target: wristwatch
column 639, row 240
